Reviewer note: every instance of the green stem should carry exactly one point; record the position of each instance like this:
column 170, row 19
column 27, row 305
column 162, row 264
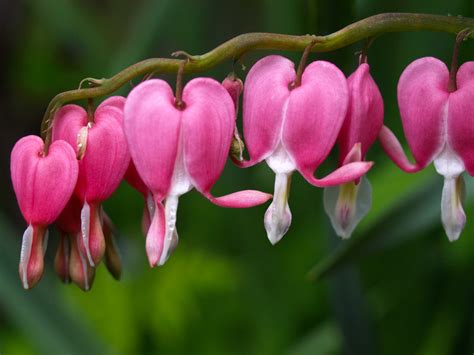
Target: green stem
column 236, row 47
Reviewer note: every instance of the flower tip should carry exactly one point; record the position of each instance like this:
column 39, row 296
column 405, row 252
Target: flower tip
column 452, row 212
column 31, row 257
column 346, row 205
column 277, row 222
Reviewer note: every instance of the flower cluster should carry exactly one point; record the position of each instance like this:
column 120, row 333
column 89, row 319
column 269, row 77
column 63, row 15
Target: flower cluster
column 166, row 144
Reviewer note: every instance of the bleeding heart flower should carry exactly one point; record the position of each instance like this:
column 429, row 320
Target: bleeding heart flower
column 70, row 261
column 294, row 127
column 347, row 204
column 438, row 127
column 101, row 145
column 177, row 148
column 43, row 183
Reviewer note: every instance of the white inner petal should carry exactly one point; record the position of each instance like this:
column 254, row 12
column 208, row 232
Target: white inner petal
column 448, row 163
column 280, row 162
column 171, row 234
column 452, row 212
column 26, row 244
column 347, row 204
column 277, row 218
column 85, row 230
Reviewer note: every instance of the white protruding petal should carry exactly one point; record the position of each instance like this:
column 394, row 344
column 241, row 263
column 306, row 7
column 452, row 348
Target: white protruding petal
column 85, row 229
column 448, row 163
column 278, row 215
column 171, row 234
column 82, row 142
column 452, row 212
column 347, row 204
column 280, row 161
column 26, row 244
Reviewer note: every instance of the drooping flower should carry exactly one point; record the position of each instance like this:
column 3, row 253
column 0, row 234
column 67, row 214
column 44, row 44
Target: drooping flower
column 43, row 183
column 347, row 204
column 70, row 262
column 438, row 127
column 101, row 146
column 177, row 148
column 294, row 127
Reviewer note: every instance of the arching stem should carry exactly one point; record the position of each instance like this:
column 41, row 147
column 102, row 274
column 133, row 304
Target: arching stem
column 452, row 86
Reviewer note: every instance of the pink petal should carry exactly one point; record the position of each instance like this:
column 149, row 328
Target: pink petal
column 265, row 95
column 113, row 101
column 106, row 157
column 422, row 98
column 364, row 117
column 42, row 184
column 32, row 255
column 346, row 173
column 152, row 126
column 355, row 154
column 69, row 221
column 81, row 273
column 234, row 87
column 394, row 150
column 315, row 113
column 461, row 116
column 62, row 257
column 208, row 126
column 134, row 179
column 240, row 199
column 93, row 242
column 156, row 235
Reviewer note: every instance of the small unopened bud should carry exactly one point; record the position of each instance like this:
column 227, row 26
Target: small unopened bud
column 82, row 142
column 237, row 147
column 113, row 261
column 81, row 273
column 61, row 260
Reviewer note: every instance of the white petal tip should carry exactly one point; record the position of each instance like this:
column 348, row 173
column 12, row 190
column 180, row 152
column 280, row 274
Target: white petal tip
column 346, row 205
column 452, row 212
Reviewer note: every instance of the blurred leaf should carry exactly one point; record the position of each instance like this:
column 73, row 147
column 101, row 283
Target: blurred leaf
column 140, row 33
column 414, row 212
column 323, row 340
column 40, row 313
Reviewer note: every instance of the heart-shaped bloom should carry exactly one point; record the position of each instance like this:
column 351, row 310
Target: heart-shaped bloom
column 101, row 146
column 347, row 204
column 438, row 128
column 175, row 149
column 294, row 128
column 43, row 184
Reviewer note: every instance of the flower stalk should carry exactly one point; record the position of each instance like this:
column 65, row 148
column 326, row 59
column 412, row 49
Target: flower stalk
column 236, row 47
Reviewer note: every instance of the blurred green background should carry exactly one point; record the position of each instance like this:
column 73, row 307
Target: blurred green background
column 397, row 287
